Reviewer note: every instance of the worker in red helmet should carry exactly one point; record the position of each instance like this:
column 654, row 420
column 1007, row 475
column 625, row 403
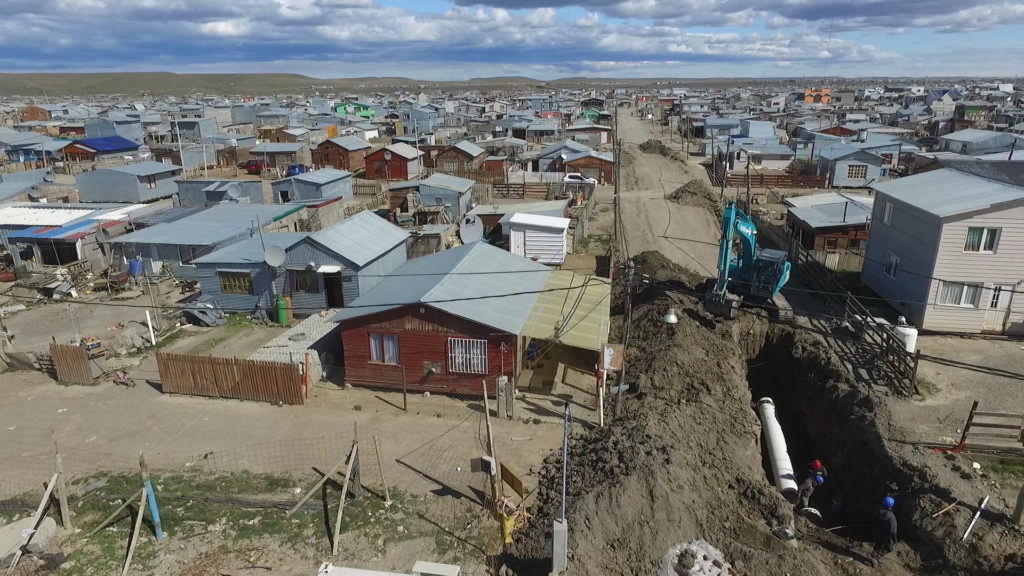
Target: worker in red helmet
column 816, row 475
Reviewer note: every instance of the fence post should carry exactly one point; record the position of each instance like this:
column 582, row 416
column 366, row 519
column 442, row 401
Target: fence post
column 913, row 373
column 967, row 425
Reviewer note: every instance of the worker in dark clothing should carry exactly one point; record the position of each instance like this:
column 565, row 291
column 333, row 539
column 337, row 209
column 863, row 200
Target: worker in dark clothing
column 807, row 487
column 816, row 468
column 885, row 535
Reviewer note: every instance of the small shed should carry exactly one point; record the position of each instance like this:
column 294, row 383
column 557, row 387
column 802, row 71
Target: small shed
column 142, row 182
column 451, row 191
column 539, row 238
column 342, row 153
column 103, row 148
column 320, row 184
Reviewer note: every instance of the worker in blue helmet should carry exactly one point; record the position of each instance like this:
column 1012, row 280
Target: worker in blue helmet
column 816, row 474
column 885, row 528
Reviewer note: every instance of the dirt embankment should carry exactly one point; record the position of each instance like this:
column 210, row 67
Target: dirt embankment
column 684, row 461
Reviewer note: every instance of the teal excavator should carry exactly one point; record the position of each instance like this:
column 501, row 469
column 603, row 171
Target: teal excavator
column 746, row 275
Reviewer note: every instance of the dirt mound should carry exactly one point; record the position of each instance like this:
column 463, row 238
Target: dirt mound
column 683, row 460
column 655, row 147
column 694, row 193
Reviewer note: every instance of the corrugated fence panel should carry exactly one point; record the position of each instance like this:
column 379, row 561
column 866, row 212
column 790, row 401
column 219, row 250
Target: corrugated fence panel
column 231, row 378
column 72, row 363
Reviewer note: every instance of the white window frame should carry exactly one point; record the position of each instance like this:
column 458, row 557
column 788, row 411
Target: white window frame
column 963, row 302
column 467, row 356
column 895, row 260
column 986, row 234
column 887, row 213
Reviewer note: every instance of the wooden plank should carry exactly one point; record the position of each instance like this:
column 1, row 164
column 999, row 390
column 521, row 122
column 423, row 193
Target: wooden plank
column 344, row 494
column 1000, row 414
column 36, row 519
column 995, row 425
column 135, row 533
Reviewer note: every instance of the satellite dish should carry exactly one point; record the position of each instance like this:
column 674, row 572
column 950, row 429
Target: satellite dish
column 233, row 191
column 273, row 256
column 387, row 154
column 471, row 230
column 48, row 177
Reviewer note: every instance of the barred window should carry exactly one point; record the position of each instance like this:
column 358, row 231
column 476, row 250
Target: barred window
column 857, row 171
column 467, row 356
column 235, row 282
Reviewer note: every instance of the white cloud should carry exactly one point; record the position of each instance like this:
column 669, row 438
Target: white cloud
column 783, row 64
column 235, row 27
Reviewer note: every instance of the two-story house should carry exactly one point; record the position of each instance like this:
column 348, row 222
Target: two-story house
column 946, row 247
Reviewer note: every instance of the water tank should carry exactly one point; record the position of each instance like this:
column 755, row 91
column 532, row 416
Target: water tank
column 135, row 267
column 908, row 335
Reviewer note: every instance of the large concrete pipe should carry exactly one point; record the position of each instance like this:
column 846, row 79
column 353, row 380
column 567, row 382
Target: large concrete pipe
column 782, row 466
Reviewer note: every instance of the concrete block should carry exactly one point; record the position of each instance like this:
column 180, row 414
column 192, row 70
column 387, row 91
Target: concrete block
column 11, row 537
column 560, row 547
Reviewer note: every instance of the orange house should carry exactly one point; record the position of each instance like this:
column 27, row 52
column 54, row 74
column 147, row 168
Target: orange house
column 822, row 96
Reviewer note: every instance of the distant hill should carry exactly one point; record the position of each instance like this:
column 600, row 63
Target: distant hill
column 137, row 83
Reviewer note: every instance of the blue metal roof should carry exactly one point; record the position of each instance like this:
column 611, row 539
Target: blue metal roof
column 250, row 250
column 949, row 192
column 448, row 182
column 108, row 143
column 215, row 224
column 477, row 282
column 361, row 238
column 52, row 231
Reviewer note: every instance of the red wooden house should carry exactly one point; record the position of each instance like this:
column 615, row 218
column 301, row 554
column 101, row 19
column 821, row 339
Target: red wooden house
column 443, row 322
column 343, row 153
column 393, row 162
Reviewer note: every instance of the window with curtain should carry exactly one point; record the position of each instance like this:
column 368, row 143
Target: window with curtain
column 305, row 280
column 384, row 348
column 956, row 294
column 981, row 240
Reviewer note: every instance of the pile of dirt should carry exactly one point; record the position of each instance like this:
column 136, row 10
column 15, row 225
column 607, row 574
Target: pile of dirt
column 683, row 460
column 655, row 147
column 696, row 192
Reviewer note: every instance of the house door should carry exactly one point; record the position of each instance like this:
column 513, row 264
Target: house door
column 332, row 289
column 998, row 307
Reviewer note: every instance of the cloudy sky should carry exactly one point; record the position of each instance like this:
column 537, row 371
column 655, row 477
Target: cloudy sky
column 446, row 40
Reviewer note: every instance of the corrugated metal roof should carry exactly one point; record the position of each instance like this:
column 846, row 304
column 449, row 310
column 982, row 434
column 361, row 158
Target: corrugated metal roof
column 404, row 150
column 833, row 214
column 215, row 224
column 448, row 182
column 477, row 282
column 107, row 143
column 250, row 250
column 606, row 156
column 323, row 176
column 469, row 148
column 145, row 168
column 539, row 220
column 828, row 198
column 971, row 135
column 361, row 238
column 350, row 142
column 40, row 215
column 574, row 311
column 948, row 192
column 276, row 148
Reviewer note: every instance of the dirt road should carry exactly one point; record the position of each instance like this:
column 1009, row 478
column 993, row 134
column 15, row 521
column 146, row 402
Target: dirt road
column 687, row 235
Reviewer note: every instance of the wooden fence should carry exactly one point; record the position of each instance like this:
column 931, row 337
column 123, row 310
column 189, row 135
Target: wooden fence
column 776, row 181
column 840, row 261
column 71, row 363
column 896, row 364
column 231, row 378
column 993, row 431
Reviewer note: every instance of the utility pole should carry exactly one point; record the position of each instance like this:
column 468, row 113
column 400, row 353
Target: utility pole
column 625, row 339
column 725, row 168
column 181, row 155
column 748, row 182
column 615, row 200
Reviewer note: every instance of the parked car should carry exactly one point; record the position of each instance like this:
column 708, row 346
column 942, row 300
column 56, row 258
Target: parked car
column 577, row 178
column 254, row 166
column 295, row 170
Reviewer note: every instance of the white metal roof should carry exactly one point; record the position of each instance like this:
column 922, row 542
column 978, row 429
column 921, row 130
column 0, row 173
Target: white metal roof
column 539, row 221
column 119, row 213
column 40, row 216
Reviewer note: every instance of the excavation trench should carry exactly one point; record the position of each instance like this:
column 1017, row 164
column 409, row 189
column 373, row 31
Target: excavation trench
column 685, row 461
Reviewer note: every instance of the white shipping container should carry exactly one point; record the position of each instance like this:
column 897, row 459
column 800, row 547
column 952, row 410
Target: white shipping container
column 539, row 238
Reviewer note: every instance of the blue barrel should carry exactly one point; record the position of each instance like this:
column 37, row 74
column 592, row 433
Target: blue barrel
column 135, row 267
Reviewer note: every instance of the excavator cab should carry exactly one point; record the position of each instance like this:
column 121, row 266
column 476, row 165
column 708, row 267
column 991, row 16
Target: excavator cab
column 771, row 272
